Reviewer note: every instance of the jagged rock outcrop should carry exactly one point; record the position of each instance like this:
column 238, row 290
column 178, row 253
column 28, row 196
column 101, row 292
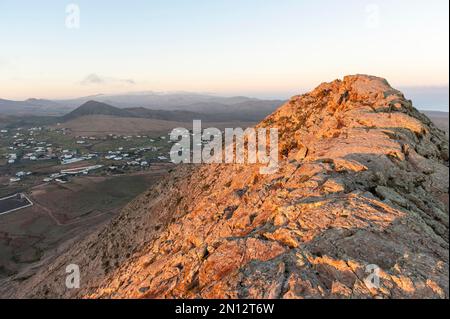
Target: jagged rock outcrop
column 363, row 180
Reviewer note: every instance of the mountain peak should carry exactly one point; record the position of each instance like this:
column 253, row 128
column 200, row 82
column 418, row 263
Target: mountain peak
column 93, row 107
column 93, row 104
column 345, row 108
column 360, row 88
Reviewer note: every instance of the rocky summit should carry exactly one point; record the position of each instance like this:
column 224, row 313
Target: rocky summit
column 362, row 190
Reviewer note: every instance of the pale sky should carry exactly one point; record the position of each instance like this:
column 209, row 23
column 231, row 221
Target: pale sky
column 270, row 48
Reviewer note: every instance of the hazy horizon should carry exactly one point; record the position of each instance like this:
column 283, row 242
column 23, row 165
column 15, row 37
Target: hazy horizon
column 428, row 98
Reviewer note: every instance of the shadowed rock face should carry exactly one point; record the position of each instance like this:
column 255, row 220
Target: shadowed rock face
column 363, row 180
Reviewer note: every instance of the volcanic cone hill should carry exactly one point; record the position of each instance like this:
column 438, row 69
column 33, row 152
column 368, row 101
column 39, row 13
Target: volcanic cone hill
column 96, row 108
column 363, row 180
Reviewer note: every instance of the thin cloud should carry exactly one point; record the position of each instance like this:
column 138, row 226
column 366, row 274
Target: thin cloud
column 95, row 79
column 92, row 79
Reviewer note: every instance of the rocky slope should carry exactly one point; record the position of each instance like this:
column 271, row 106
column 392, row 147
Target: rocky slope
column 363, row 180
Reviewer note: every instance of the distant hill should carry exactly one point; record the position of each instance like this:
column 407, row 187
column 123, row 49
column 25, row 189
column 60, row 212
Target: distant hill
column 96, row 108
column 222, row 108
column 158, row 101
column 211, row 107
column 97, row 118
column 250, row 111
column 36, row 107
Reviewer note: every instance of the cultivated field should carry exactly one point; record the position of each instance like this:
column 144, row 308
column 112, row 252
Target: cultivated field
column 97, row 125
column 64, row 212
column 100, row 125
column 13, row 203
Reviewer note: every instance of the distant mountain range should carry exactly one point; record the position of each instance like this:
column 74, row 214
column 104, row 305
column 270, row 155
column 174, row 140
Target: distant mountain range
column 170, row 106
column 152, row 100
column 36, row 107
column 178, row 106
column 244, row 111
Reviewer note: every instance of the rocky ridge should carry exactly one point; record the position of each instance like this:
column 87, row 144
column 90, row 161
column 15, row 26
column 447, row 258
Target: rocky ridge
column 363, row 180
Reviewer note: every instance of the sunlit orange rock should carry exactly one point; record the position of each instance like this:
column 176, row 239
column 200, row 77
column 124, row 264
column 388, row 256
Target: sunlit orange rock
column 363, row 182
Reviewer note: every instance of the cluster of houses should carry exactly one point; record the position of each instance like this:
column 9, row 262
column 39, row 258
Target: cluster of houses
column 127, row 137
column 57, row 177
column 11, row 158
column 62, row 177
column 70, row 157
column 85, row 139
column 24, row 145
column 19, row 176
column 134, row 156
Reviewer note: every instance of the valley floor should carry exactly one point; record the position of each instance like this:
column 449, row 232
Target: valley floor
column 61, row 213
